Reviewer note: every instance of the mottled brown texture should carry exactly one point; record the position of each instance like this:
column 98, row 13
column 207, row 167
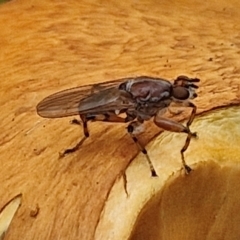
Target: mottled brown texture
column 47, row 46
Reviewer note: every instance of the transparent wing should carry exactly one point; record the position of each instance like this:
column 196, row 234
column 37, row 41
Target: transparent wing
column 92, row 98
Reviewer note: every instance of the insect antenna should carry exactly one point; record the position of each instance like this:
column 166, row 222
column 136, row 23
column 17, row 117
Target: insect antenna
column 186, row 81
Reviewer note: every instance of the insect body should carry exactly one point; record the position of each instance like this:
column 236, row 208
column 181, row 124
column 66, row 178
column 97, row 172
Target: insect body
column 140, row 98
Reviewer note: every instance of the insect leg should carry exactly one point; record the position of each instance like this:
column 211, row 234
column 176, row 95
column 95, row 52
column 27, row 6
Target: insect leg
column 111, row 117
column 106, row 117
column 193, row 113
column 132, row 127
column 86, row 135
column 74, row 149
column 85, row 128
column 173, row 126
column 186, row 104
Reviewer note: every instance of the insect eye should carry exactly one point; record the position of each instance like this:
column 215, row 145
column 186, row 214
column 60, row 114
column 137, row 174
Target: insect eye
column 180, row 93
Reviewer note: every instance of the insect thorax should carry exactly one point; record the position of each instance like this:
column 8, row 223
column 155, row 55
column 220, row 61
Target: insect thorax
column 147, row 110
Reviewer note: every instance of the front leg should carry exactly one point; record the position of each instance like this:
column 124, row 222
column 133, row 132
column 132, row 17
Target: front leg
column 193, row 113
column 186, row 104
column 172, row 126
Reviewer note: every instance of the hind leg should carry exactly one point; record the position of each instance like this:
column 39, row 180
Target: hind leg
column 106, row 117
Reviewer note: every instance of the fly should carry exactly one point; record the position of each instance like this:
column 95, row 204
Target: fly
column 140, row 99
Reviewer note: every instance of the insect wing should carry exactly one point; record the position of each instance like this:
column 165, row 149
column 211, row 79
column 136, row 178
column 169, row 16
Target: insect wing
column 111, row 99
column 81, row 99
